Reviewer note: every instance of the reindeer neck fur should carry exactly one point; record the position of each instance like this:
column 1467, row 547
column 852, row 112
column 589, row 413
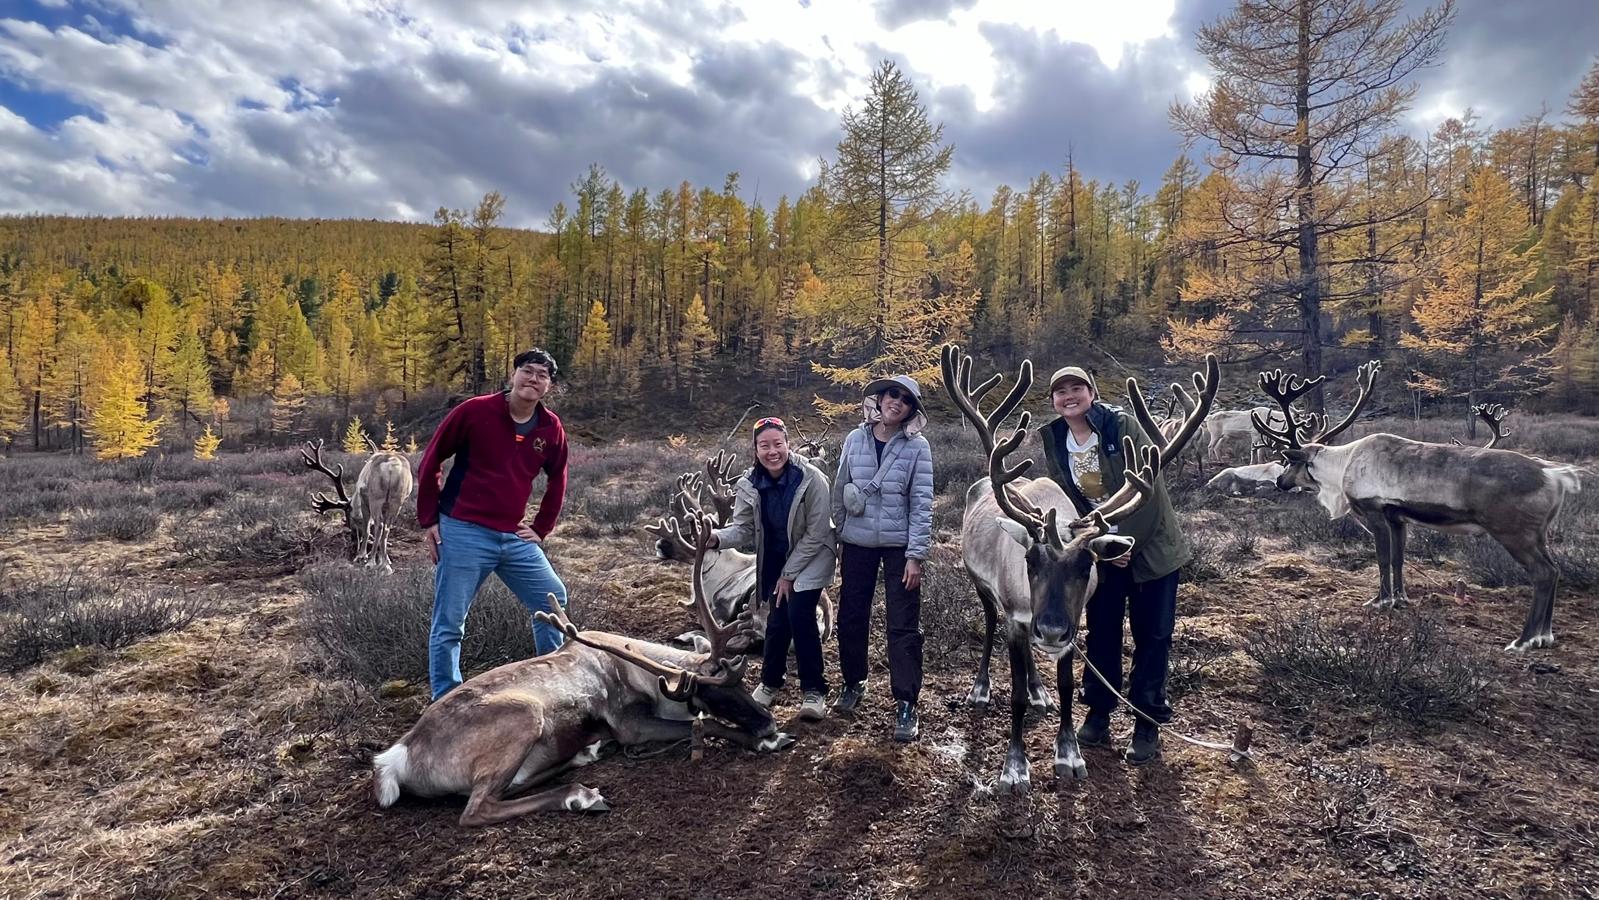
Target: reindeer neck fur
column 1328, row 467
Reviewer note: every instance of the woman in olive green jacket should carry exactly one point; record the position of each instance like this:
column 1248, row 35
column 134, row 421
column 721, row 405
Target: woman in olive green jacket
column 1084, row 451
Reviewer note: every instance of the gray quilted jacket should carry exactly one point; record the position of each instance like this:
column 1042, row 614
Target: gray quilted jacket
column 898, row 500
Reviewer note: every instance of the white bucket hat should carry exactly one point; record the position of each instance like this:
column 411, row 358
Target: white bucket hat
column 869, row 403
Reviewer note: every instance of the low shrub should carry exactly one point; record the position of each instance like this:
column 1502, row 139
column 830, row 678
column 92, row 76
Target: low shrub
column 74, row 609
column 118, row 523
column 256, row 529
column 374, row 627
column 1404, row 665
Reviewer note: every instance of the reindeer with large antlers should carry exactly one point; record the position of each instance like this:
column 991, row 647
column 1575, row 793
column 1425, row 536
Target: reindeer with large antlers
column 380, row 491
column 516, row 727
column 1031, row 554
column 1390, row 482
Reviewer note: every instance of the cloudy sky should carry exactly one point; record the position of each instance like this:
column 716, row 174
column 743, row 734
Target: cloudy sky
column 391, row 108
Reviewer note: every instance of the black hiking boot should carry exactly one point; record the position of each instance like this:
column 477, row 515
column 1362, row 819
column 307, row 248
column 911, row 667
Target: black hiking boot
column 907, row 727
column 1095, row 730
column 1145, row 745
column 850, row 698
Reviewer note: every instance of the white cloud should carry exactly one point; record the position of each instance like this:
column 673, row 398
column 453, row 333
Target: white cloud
column 391, row 107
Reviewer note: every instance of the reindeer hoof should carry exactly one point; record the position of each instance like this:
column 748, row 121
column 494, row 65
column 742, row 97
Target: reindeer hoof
column 978, row 697
column 1380, row 603
column 780, row 741
column 1019, row 785
column 1539, row 642
column 1071, row 769
column 587, row 799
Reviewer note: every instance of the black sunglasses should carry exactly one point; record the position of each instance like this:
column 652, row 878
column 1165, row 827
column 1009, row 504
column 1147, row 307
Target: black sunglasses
column 895, row 393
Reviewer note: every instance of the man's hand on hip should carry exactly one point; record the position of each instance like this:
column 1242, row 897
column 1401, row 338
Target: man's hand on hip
column 526, row 533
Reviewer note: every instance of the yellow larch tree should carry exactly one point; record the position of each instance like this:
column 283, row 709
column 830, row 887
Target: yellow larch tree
column 288, row 402
column 205, row 446
column 119, row 423
column 355, row 439
column 1477, row 313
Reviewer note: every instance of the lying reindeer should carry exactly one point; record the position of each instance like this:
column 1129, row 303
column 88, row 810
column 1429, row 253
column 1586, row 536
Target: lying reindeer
column 1039, row 572
column 381, row 490
column 729, row 575
column 518, row 726
column 1245, row 479
column 1389, row 482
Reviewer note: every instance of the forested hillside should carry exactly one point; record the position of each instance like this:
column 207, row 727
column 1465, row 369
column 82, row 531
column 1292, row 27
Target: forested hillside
column 1465, row 258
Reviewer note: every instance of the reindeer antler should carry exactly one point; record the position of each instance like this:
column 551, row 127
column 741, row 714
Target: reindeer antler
column 1493, row 414
column 957, row 370
column 1285, row 388
column 321, row 502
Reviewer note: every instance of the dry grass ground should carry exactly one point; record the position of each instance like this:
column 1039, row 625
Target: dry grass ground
column 230, row 757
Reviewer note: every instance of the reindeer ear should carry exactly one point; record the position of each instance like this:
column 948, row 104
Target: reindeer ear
column 1016, row 530
column 1111, row 546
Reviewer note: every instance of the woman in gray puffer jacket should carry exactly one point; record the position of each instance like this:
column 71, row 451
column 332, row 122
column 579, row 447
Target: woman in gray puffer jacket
column 883, row 506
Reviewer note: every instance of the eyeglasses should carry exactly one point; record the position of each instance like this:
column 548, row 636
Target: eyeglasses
column 895, row 393
column 537, row 373
column 769, row 420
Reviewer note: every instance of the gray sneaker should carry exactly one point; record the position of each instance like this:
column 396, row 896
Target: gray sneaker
column 814, row 707
column 765, row 695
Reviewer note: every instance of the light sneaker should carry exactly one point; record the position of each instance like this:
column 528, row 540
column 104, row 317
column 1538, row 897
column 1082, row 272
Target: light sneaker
column 814, row 707
column 764, row 695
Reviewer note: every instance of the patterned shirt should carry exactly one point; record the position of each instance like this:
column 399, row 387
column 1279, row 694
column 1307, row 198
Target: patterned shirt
column 1085, row 468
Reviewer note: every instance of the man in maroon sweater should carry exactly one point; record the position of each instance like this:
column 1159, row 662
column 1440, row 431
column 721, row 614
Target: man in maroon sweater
column 475, row 523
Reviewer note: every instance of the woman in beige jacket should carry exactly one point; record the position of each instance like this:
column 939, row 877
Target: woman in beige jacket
column 782, row 506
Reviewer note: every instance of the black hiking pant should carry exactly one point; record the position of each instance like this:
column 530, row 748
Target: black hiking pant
column 904, row 609
column 1151, row 610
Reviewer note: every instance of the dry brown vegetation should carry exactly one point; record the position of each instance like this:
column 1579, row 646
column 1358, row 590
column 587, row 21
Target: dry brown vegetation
column 226, row 753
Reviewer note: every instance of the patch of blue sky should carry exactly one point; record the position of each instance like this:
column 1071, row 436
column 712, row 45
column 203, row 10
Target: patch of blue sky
column 107, row 20
column 44, row 110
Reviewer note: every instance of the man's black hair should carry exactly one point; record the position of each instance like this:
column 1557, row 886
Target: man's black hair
column 538, row 356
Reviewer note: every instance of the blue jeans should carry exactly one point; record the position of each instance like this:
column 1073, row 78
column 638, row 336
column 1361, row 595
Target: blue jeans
column 467, row 554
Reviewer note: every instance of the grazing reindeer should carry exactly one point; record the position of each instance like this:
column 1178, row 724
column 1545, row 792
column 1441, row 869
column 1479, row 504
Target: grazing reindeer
column 1493, row 415
column 1023, row 560
column 517, row 726
column 1389, row 482
column 380, row 490
column 729, row 575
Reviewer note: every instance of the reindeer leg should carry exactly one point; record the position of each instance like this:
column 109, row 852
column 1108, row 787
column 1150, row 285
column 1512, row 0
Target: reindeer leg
column 486, row 810
column 1039, row 703
column 1015, row 778
column 1377, row 524
column 1396, row 559
column 1534, row 556
column 1068, row 756
column 980, row 687
column 488, row 805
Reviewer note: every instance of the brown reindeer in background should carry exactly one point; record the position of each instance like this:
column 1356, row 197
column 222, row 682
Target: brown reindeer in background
column 1030, row 555
column 1390, row 482
column 514, row 728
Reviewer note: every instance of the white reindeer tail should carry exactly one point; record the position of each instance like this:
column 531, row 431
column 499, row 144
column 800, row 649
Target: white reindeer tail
column 1566, row 479
column 389, row 770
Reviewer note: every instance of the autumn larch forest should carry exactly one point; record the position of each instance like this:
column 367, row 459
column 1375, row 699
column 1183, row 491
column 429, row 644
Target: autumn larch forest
column 1302, row 227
